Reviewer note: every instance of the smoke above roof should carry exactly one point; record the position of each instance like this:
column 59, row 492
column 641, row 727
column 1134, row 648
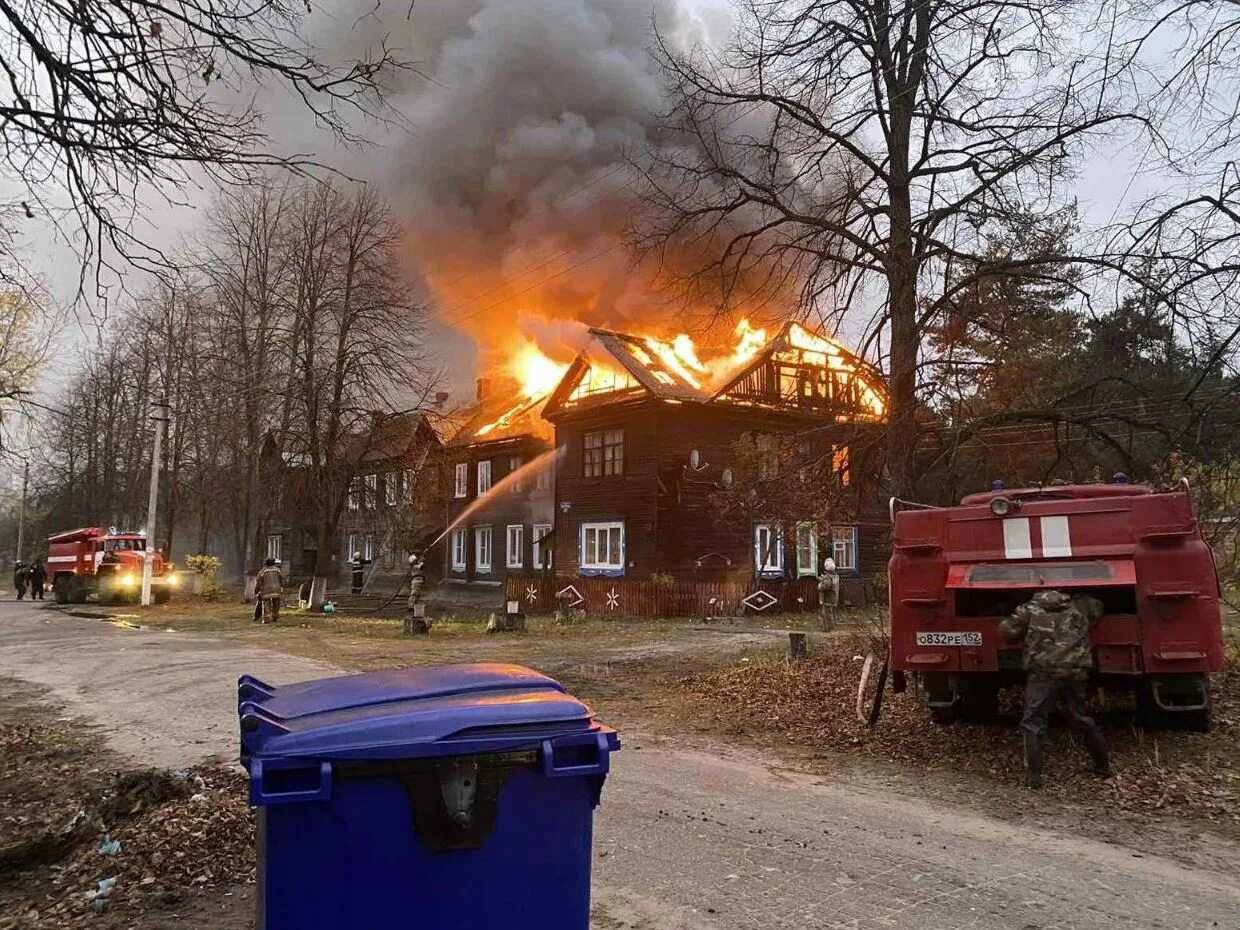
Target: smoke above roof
column 517, row 180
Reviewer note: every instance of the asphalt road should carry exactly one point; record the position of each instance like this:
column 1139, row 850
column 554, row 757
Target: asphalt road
column 684, row 839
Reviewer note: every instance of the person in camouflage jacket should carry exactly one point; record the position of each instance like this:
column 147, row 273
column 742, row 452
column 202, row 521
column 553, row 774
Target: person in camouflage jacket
column 1055, row 631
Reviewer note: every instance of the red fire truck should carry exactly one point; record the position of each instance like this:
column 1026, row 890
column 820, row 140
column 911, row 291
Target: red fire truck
column 92, row 560
column 956, row 572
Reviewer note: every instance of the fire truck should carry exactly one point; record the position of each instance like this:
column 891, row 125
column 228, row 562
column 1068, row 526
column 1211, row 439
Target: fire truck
column 106, row 563
column 957, row 572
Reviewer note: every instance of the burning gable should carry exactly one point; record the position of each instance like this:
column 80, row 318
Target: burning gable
column 796, row 369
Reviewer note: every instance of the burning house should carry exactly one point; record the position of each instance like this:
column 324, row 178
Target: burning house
column 648, row 436
column 500, row 484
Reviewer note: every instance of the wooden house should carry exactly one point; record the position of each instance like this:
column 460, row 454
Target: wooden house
column 499, row 480
column 393, row 501
column 648, row 444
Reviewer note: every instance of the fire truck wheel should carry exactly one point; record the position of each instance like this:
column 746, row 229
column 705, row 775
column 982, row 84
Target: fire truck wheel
column 60, row 590
column 1149, row 715
column 945, row 716
column 78, row 594
column 979, row 701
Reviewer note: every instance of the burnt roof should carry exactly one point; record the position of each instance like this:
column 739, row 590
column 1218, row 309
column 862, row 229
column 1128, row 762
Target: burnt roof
column 505, row 415
column 642, row 360
column 644, row 364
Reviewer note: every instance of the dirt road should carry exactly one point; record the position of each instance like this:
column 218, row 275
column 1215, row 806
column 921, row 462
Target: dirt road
column 684, row 839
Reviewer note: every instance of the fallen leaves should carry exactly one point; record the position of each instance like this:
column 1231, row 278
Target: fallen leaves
column 812, row 703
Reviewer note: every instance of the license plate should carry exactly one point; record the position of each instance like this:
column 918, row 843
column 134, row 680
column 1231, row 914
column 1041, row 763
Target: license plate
column 972, row 638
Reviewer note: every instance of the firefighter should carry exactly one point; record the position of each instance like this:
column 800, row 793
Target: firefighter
column 38, row 578
column 1055, row 631
column 828, row 595
column 359, row 572
column 270, row 587
column 19, row 579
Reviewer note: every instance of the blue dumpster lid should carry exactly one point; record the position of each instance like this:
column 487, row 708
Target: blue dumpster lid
column 407, row 713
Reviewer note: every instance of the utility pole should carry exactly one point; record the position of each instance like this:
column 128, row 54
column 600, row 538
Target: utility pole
column 21, row 513
column 159, row 413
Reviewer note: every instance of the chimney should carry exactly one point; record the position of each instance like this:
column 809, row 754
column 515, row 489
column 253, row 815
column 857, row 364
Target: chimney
column 441, row 399
column 484, row 388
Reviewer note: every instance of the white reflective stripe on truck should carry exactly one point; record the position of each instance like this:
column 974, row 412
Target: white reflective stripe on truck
column 1056, row 540
column 1016, row 543
column 61, row 558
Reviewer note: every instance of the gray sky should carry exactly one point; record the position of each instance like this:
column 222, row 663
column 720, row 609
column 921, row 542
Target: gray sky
column 440, row 29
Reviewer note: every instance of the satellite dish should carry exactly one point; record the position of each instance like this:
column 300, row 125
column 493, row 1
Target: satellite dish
column 695, row 458
column 726, row 477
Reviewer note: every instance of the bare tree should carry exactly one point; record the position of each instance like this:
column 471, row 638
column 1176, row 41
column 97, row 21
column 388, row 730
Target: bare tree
column 865, row 151
column 357, row 351
column 25, row 339
column 107, row 99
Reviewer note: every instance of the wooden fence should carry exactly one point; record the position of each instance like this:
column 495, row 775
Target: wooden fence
column 629, row 598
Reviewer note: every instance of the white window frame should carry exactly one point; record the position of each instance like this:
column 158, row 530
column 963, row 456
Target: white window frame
column 406, row 484
column 354, row 501
column 540, row 544
column 484, row 476
column 810, row 570
column 514, row 555
column 368, row 547
column 596, row 528
column 352, row 546
column 460, row 551
column 275, row 546
column 484, row 550
column 764, row 561
column 371, row 498
column 844, row 548
column 391, row 488
column 462, row 480
column 543, row 481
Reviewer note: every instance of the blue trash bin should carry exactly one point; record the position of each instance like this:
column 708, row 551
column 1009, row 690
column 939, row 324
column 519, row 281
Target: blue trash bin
column 457, row 797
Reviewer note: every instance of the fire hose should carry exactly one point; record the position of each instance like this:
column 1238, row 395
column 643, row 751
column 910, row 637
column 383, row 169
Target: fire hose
column 876, row 707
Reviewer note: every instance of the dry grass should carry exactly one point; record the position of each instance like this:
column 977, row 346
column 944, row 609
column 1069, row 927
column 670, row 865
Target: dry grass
column 812, row 704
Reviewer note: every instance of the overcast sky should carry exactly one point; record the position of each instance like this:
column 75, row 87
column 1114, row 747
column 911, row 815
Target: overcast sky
column 1106, row 178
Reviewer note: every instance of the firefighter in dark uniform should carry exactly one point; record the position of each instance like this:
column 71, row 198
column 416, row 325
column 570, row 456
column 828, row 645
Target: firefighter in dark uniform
column 1055, row 631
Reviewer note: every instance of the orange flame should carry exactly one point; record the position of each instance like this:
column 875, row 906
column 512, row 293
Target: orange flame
column 535, row 372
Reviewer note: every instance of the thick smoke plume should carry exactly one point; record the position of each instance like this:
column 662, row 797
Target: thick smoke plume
column 517, row 177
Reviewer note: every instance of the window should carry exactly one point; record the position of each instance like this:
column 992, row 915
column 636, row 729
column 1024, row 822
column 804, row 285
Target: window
column 275, row 545
column 406, row 484
column 603, row 453
column 543, row 481
column 389, row 557
column 516, row 546
column 355, row 494
column 462, row 480
column 484, row 477
column 458, row 550
column 807, row 550
column 372, row 492
column 482, row 550
column 602, row 546
column 514, row 466
column 368, row 547
column 391, row 488
column 354, row 546
column 841, row 465
column 844, row 548
column 541, row 548
column 768, row 549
